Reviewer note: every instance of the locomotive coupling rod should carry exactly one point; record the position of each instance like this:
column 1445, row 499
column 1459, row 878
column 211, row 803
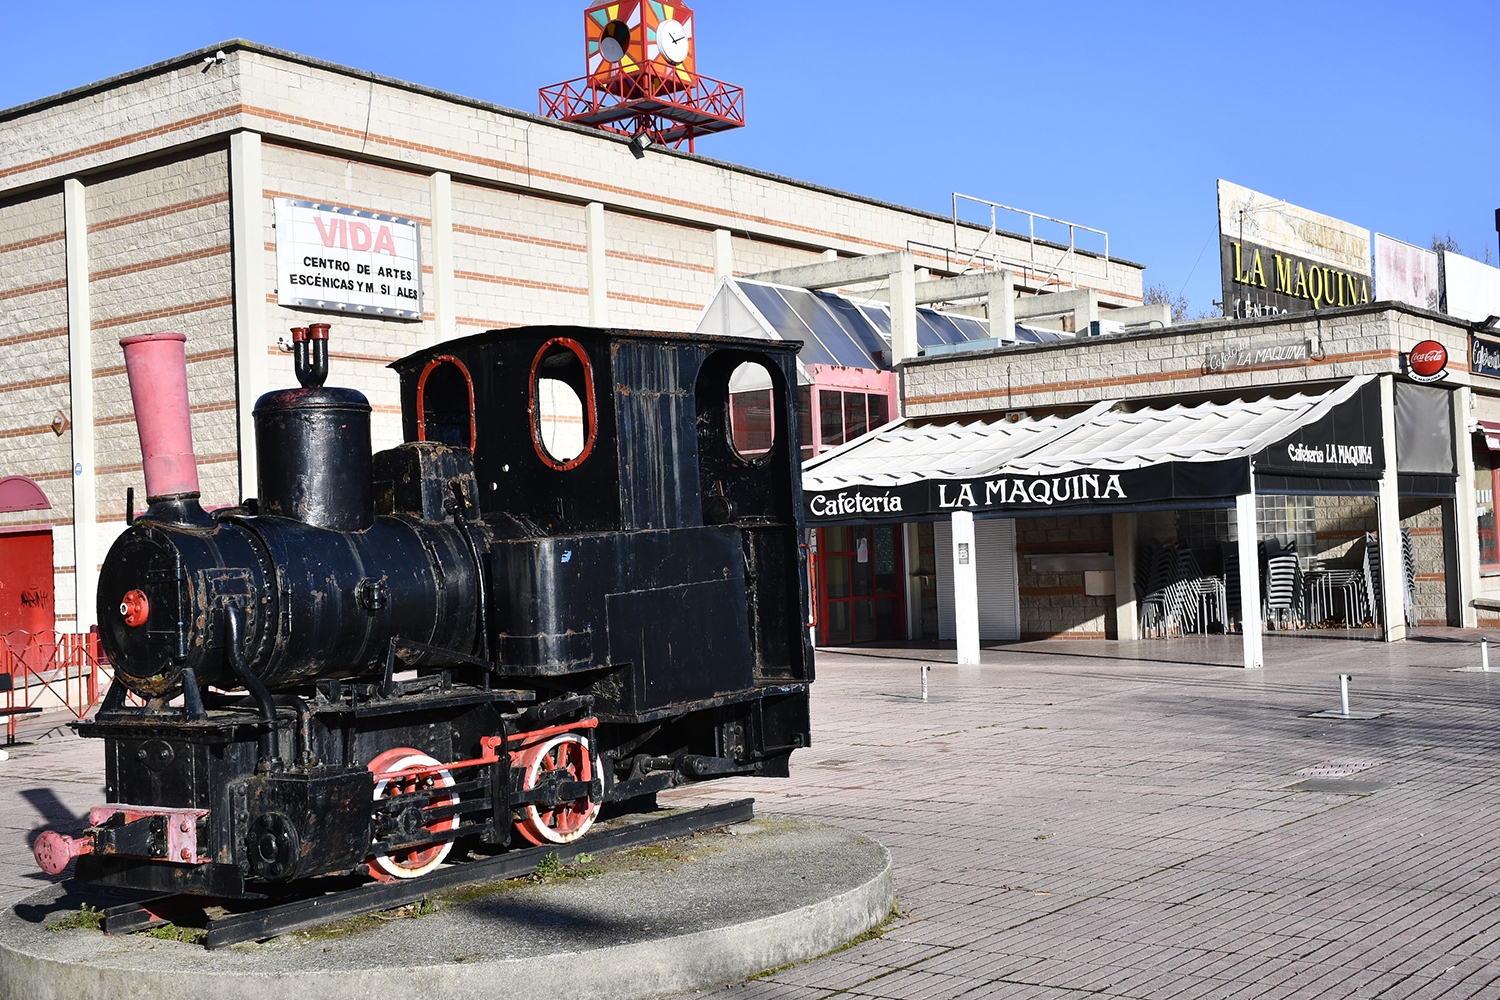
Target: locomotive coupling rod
column 301, row 914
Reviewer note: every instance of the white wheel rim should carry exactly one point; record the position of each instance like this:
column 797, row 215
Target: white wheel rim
column 443, row 779
column 534, row 815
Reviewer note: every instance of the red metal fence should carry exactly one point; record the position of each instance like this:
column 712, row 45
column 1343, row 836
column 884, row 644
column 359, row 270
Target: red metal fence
column 50, row 670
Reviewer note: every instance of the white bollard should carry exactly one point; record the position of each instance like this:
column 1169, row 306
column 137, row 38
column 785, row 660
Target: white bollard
column 925, row 668
column 1484, row 655
column 4, row 755
column 1344, row 692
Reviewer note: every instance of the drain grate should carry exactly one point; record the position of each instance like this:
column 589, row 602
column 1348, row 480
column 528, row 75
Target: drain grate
column 1335, row 768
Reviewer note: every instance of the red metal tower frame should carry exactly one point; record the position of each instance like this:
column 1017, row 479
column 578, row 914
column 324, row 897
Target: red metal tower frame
column 642, row 93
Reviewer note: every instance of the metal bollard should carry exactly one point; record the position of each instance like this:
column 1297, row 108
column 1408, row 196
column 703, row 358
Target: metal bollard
column 1344, row 692
column 925, row 668
column 1484, row 654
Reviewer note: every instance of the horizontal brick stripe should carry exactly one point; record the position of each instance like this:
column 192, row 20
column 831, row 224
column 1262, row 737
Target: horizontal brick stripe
column 485, row 324
column 1431, row 577
column 129, row 418
column 16, row 432
column 648, row 300
column 538, row 241
column 148, row 265
column 36, row 289
column 163, row 313
column 496, row 279
column 33, row 383
column 192, row 359
column 217, row 459
column 1425, row 531
column 531, row 172
column 1177, row 376
column 1087, row 545
column 125, row 140
column 35, row 241
column 28, row 338
column 157, row 213
column 642, row 258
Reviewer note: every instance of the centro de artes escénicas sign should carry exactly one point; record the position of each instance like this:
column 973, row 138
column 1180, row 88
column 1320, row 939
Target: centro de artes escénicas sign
column 347, row 260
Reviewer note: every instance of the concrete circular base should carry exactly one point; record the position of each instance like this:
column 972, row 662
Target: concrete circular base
column 691, row 913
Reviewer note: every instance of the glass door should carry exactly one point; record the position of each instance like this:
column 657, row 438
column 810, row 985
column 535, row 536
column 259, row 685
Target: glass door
column 861, row 581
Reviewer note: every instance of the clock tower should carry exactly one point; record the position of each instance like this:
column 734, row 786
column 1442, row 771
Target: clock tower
column 642, row 77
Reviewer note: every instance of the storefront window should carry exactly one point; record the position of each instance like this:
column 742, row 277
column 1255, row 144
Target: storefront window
column 862, row 597
column 1486, row 481
column 751, row 423
column 844, row 416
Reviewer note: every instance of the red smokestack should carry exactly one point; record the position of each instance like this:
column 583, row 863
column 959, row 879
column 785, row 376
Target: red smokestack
column 156, row 364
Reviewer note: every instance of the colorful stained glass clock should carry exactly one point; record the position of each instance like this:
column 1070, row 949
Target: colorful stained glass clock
column 639, row 36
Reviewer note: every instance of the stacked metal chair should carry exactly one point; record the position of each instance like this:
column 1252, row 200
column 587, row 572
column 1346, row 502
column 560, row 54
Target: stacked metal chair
column 1282, row 587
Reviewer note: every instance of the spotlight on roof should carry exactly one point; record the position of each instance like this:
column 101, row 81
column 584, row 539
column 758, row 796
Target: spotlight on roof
column 640, row 144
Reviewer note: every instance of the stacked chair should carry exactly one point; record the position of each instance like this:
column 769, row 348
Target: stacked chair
column 1174, row 594
column 1282, row 588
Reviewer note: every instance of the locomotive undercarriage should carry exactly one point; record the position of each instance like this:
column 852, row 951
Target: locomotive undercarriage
column 233, row 812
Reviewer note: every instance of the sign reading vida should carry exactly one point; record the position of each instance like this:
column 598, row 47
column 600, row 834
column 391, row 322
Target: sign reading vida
column 346, row 260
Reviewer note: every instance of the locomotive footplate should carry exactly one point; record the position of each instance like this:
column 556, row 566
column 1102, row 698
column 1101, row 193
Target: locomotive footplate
column 334, row 899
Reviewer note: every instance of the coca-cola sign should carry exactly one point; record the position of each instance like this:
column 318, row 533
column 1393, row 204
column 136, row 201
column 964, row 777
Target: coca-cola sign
column 1427, row 362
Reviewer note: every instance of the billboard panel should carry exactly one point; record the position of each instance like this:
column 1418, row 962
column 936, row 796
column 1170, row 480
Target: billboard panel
column 346, row 260
column 1471, row 290
column 1278, row 258
column 1406, row 273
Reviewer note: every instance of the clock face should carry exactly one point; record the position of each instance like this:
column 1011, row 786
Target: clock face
column 672, row 38
column 616, row 41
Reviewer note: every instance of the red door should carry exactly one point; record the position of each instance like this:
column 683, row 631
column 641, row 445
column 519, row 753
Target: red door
column 26, row 581
column 861, row 582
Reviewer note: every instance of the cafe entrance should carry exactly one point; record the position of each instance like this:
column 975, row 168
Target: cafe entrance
column 861, row 584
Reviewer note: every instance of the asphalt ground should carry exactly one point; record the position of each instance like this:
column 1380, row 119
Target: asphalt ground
column 1073, row 819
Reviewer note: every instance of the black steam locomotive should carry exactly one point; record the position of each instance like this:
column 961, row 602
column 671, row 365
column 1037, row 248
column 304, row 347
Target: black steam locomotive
column 476, row 633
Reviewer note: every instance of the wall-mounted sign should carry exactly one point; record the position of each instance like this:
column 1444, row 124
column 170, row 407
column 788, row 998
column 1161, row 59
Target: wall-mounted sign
column 1406, row 273
column 1427, row 362
column 1484, row 355
column 1471, row 290
column 349, row 261
column 1277, row 258
column 1237, row 355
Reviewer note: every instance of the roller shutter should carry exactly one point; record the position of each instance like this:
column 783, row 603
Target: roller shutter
column 999, row 596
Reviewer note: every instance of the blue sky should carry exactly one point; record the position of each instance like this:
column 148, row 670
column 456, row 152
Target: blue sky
column 1117, row 116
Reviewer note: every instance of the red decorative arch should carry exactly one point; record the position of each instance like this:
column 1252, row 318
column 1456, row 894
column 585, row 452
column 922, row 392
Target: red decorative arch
column 20, row 493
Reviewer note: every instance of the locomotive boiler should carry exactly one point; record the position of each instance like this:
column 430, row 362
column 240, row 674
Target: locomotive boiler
column 484, row 634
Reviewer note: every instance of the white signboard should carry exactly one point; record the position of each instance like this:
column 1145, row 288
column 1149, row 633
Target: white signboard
column 1405, row 273
column 346, row 260
column 1254, row 218
column 1472, row 289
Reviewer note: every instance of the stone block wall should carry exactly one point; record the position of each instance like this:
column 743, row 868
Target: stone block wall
column 1054, row 605
column 1425, row 525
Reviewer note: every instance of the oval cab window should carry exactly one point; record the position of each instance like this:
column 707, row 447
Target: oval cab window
column 445, row 403
column 752, row 412
column 562, row 404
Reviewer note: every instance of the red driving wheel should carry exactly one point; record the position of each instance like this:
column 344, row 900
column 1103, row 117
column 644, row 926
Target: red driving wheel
column 390, row 782
column 566, row 822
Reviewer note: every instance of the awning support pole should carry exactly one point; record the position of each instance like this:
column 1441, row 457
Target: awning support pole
column 965, row 588
column 1250, row 621
column 1127, row 615
column 1388, row 522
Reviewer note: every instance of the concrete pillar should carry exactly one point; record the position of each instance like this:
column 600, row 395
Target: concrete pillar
column 965, row 587
column 1466, row 515
column 1248, row 532
column 444, row 314
column 1127, row 618
column 1002, row 305
column 598, row 288
column 247, row 225
column 81, row 392
column 723, row 254
column 1388, row 520
column 903, row 311
column 830, row 255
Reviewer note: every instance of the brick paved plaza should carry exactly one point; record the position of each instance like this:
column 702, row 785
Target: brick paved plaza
column 1067, row 821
